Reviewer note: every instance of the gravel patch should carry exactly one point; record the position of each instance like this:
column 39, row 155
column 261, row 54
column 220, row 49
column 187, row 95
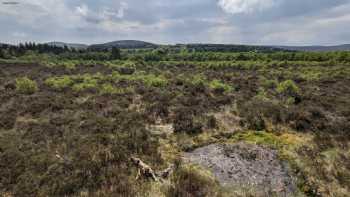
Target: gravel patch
column 245, row 165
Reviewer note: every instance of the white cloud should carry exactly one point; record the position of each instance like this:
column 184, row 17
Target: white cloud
column 82, row 10
column 123, row 7
column 108, row 13
column 251, row 21
column 244, row 6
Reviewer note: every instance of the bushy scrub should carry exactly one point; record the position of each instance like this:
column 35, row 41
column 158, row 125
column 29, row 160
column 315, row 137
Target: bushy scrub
column 109, row 89
column 149, row 80
column 198, row 79
column 86, row 82
column 124, row 68
column 69, row 65
column 219, row 86
column 84, row 86
column 268, row 83
column 25, row 85
column 59, row 83
column 288, row 88
column 290, row 91
column 262, row 95
column 153, row 80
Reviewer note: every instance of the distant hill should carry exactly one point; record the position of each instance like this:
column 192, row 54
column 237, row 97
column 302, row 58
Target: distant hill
column 137, row 44
column 69, row 45
column 124, row 44
column 229, row 48
column 344, row 47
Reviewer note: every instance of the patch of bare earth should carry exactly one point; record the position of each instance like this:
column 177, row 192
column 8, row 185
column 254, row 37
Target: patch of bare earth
column 244, row 165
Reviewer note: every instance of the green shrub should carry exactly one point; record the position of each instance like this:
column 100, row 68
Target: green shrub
column 129, row 64
column 153, row 80
column 59, row 83
column 217, row 85
column 69, row 65
column 262, row 95
column 88, row 82
column 149, row 80
column 290, row 101
column 109, row 89
column 269, row 83
column 288, row 88
column 25, row 85
column 83, row 86
column 198, row 79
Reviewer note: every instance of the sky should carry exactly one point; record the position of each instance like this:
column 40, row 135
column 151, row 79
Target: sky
column 255, row 22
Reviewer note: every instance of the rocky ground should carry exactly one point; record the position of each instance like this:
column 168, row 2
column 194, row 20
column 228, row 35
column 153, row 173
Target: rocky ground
column 248, row 165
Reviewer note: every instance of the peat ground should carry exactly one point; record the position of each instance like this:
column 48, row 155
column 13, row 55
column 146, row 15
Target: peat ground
column 71, row 131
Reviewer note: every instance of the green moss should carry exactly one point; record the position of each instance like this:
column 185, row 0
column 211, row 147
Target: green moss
column 258, row 137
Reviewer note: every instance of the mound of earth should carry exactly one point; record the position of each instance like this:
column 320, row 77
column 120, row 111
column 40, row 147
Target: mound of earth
column 245, row 165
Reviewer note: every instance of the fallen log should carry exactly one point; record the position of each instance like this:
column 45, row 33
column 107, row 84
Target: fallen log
column 167, row 172
column 147, row 172
column 143, row 169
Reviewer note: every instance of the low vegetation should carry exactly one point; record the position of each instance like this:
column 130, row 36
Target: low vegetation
column 71, row 120
column 25, row 85
column 192, row 181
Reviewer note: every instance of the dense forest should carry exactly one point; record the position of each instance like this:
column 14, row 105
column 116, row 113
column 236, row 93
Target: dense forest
column 182, row 120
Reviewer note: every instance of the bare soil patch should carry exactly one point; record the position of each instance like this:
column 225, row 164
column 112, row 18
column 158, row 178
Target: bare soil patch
column 245, row 165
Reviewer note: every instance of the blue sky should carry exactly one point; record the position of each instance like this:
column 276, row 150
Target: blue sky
column 265, row 22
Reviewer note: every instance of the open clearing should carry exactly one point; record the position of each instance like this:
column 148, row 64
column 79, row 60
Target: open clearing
column 254, row 123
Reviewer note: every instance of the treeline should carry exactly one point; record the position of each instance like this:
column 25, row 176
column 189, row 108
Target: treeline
column 230, row 48
column 166, row 53
column 22, row 48
column 33, row 49
column 186, row 55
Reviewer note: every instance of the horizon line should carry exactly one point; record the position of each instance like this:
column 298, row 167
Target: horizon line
column 179, row 43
